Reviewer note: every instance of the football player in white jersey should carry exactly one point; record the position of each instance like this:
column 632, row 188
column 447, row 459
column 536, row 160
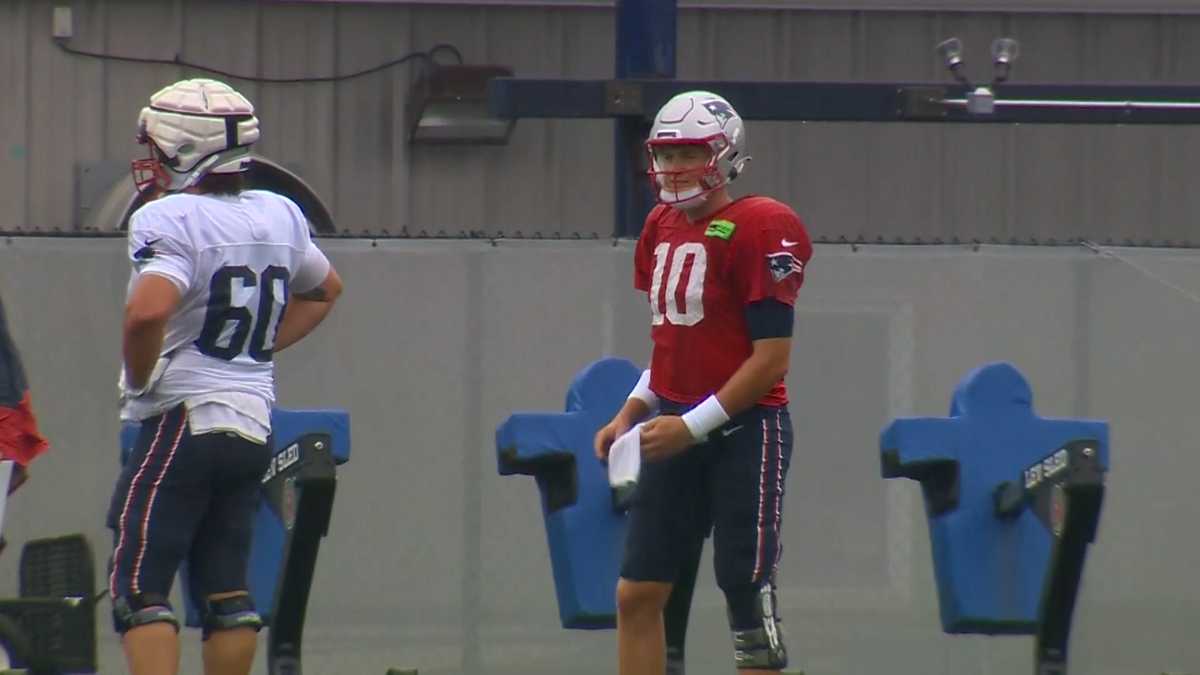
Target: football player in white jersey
column 223, row 277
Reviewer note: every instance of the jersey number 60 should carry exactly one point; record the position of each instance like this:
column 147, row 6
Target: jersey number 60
column 227, row 326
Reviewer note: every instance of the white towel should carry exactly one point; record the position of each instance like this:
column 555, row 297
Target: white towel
column 625, row 458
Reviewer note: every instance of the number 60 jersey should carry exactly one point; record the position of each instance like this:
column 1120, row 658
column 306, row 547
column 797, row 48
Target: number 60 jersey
column 701, row 276
column 234, row 259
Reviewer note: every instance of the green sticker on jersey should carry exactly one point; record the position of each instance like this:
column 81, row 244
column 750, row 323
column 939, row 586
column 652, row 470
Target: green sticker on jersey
column 722, row 229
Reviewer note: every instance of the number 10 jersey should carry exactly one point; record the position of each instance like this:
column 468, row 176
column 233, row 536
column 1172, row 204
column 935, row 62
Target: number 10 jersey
column 699, row 277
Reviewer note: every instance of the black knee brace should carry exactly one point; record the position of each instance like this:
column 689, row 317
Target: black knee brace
column 141, row 609
column 757, row 630
column 229, row 614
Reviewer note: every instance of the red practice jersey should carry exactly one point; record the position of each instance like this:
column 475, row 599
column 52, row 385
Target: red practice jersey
column 700, row 276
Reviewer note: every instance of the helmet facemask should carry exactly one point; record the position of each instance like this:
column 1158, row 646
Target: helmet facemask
column 150, row 174
column 700, row 181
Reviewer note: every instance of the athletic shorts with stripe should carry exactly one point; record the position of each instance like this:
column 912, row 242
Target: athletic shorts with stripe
column 183, row 497
column 731, row 485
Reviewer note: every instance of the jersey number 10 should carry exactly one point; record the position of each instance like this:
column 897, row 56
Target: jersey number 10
column 668, row 304
column 242, row 323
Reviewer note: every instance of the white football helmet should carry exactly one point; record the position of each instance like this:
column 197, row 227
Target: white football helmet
column 698, row 118
column 194, row 128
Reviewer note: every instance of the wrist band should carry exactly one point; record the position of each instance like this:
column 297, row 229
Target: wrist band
column 641, row 391
column 705, row 417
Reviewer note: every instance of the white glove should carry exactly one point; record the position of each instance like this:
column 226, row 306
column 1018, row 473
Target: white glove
column 127, row 392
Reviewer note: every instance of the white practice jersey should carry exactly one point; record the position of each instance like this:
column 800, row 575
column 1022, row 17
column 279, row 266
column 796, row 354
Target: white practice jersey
column 234, row 259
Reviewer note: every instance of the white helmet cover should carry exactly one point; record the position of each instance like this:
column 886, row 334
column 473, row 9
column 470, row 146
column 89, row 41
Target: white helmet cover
column 199, row 127
column 699, row 118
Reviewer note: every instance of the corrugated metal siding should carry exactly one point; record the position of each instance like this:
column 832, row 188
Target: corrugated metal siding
column 347, row 139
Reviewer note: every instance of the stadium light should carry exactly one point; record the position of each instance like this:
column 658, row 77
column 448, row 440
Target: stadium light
column 449, row 104
column 980, row 100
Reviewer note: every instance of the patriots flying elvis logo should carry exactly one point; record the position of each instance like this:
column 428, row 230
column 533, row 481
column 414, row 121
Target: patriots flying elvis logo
column 719, row 110
column 782, row 265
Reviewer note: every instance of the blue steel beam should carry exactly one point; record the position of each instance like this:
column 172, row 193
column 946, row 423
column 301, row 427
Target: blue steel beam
column 646, row 33
column 1053, row 103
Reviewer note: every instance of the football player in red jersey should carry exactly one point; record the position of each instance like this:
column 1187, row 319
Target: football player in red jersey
column 721, row 276
column 20, row 440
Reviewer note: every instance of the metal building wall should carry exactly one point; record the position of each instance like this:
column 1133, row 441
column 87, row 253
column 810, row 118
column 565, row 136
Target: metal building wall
column 66, row 121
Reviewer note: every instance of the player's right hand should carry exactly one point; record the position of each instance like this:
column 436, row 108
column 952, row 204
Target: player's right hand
column 127, row 392
column 608, row 434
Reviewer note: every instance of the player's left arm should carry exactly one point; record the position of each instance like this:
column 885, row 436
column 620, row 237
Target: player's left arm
column 768, row 270
column 757, row 375
column 316, row 286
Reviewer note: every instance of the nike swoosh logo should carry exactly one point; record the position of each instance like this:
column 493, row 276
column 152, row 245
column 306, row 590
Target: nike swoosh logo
column 731, row 431
column 147, row 251
column 787, row 243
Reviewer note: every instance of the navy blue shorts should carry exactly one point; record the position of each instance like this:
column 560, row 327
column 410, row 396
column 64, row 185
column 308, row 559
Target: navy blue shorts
column 184, row 497
column 731, row 485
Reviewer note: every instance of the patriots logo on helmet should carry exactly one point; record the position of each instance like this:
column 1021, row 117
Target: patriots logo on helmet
column 783, row 265
column 720, row 110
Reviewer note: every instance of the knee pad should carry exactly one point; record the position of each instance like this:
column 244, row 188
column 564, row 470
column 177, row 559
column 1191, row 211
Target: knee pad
column 144, row 608
column 230, row 614
column 757, row 631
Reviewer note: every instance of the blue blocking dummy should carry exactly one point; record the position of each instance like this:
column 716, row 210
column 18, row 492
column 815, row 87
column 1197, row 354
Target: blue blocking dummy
column 307, row 444
column 998, row 482
column 585, row 526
